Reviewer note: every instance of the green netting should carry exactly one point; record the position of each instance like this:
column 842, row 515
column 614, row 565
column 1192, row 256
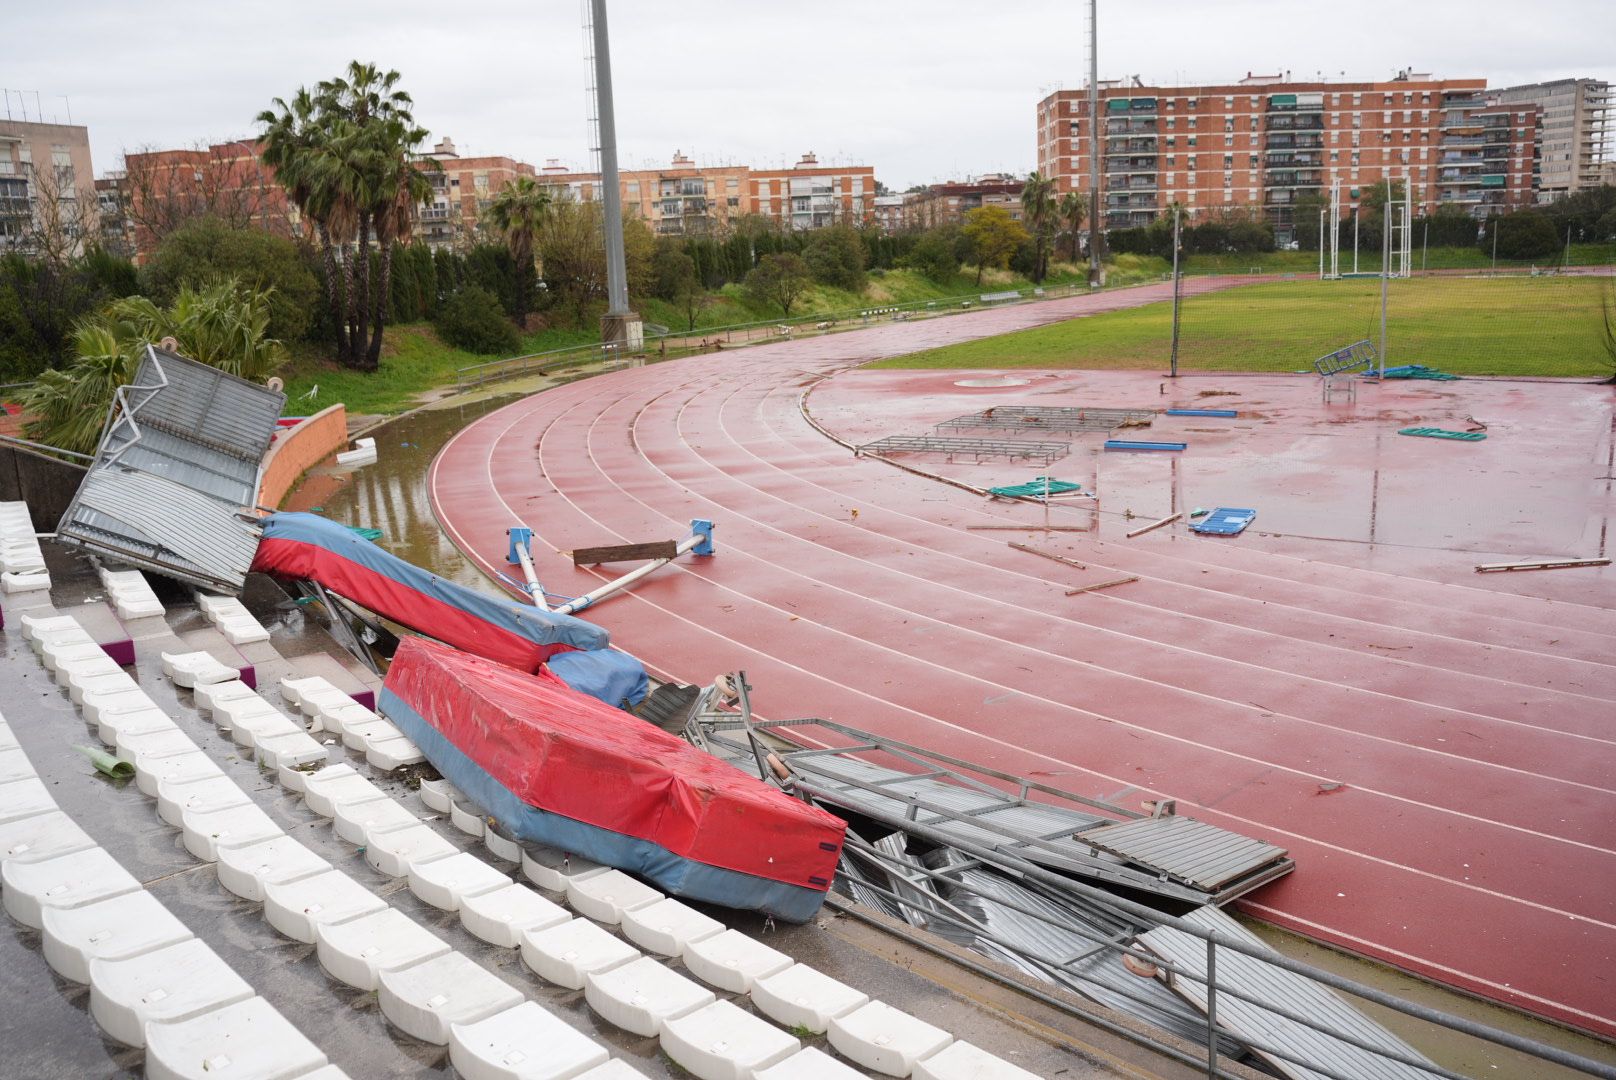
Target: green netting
column 1036, row 488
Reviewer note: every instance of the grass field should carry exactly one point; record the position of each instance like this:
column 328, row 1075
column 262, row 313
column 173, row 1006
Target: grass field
column 1469, row 326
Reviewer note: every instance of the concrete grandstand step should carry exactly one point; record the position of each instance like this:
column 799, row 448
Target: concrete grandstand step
column 357, row 951
column 232, row 618
column 117, row 727
column 190, row 669
column 66, row 881
column 14, row 765
column 247, row 870
column 551, row 868
column 499, row 917
column 78, row 674
column 501, row 844
column 439, row 795
column 210, row 696
column 604, row 897
column 154, row 742
column 205, row 832
column 354, row 820
column 468, row 817
column 733, row 961
column 231, row 711
column 567, row 953
column 112, row 680
column 297, row 907
column 615, row 1069
column 28, row 581
column 339, row 783
column 446, row 883
column 175, row 797
column 290, row 751
column 668, row 927
column 23, row 799
column 111, row 929
column 809, row 1064
column 151, row 770
column 963, row 1061
column 802, row 996
column 640, row 995
column 427, row 999
column 112, row 701
column 393, row 853
column 526, row 1042
column 248, row 733
column 395, row 753
column 35, row 627
column 60, row 650
column 175, row 982
column 337, row 717
column 248, row 1039
column 885, row 1039
column 725, row 1042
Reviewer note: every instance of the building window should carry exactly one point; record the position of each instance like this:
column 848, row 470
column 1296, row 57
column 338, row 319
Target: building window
column 1192, row 138
column 1192, row 121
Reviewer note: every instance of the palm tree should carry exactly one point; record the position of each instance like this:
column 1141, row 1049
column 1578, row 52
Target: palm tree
column 1073, row 209
column 345, row 153
column 519, row 211
column 222, row 325
column 1038, row 211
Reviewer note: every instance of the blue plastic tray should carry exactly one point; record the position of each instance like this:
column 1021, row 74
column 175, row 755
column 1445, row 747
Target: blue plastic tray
column 1202, row 412
column 1225, row 521
column 1127, row 444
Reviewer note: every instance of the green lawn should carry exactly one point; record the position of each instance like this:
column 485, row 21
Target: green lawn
column 414, row 361
column 1307, row 262
column 1482, row 326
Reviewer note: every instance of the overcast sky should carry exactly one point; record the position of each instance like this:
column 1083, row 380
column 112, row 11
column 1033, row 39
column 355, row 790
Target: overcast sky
column 922, row 91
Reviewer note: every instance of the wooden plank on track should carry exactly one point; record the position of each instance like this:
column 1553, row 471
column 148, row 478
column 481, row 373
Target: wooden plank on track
column 1102, row 584
column 656, row 549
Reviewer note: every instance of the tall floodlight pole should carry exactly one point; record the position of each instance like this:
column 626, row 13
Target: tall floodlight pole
column 1095, row 233
column 1173, row 363
column 619, row 326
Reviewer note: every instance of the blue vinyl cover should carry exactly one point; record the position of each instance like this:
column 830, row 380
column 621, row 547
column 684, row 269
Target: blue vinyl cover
column 613, row 677
column 1225, row 521
column 655, row 863
column 524, row 620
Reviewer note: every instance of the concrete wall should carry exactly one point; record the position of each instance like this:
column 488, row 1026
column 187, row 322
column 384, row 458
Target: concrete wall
column 297, row 449
column 46, row 484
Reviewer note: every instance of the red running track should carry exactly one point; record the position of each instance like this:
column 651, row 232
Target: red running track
column 1450, row 815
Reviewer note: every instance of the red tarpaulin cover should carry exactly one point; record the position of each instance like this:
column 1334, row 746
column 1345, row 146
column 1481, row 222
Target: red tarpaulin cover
column 567, row 753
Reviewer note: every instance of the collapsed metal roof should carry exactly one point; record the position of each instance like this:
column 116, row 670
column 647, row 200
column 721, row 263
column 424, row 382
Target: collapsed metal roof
column 177, row 467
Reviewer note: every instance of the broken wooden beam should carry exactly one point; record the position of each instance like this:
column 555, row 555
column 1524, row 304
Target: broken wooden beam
column 1047, row 555
column 1102, row 584
column 1154, row 525
column 1031, row 528
column 1538, row 564
column 656, row 549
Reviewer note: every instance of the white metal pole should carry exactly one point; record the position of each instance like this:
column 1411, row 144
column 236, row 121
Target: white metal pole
column 1321, row 243
column 596, row 595
column 535, row 591
column 1355, row 241
column 1385, row 270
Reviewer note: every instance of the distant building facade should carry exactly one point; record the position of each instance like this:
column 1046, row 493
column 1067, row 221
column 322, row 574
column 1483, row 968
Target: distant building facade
column 1577, row 133
column 47, row 188
column 462, row 189
column 160, row 190
column 947, row 204
column 1262, row 143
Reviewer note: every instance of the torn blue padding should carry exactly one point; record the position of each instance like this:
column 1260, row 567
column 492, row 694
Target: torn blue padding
column 613, row 677
column 655, row 863
column 1225, row 521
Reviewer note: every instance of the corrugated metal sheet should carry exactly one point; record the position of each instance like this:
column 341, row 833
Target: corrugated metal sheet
column 177, row 463
column 1185, row 849
column 1296, row 994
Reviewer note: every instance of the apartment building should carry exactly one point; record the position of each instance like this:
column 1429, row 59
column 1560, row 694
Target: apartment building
column 945, row 204
column 689, row 199
column 160, row 190
column 1264, row 142
column 1578, row 139
column 462, row 189
column 47, row 188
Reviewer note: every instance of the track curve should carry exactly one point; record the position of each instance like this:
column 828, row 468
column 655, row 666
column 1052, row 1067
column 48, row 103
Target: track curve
column 1450, row 816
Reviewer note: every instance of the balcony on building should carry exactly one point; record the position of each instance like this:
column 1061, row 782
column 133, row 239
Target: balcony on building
column 434, row 213
column 1463, row 100
column 1281, row 158
column 1133, row 108
column 1293, row 178
column 1130, row 145
column 1295, row 103
column 1292, row 140
column 1130, row 165
column 1296, row 122
column 1135, row 128
column 1132, row 183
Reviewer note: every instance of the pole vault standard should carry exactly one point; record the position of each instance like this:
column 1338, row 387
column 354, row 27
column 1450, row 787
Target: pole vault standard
column 699, row 542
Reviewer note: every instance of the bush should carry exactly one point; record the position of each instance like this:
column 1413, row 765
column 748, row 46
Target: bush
column 472, row 319
column 1523, row 235
column 935, row 254
column 207, row 250
column 836, row 257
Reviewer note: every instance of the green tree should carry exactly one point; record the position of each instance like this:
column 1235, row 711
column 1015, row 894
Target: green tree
column 345, row 153
column 936, row 254
column 1038, row 210
column 676, row 280
column 836, row 257
column 204, row 250
column 1073, row 211
column 472, row 319
column 519, row 213
column 572, row 253
column 223, row 325
column 41, row 302
column 1525, row 234
column 992, row 236
column 779, row 279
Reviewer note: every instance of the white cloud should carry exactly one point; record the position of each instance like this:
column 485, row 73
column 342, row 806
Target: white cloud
column 922, row 92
